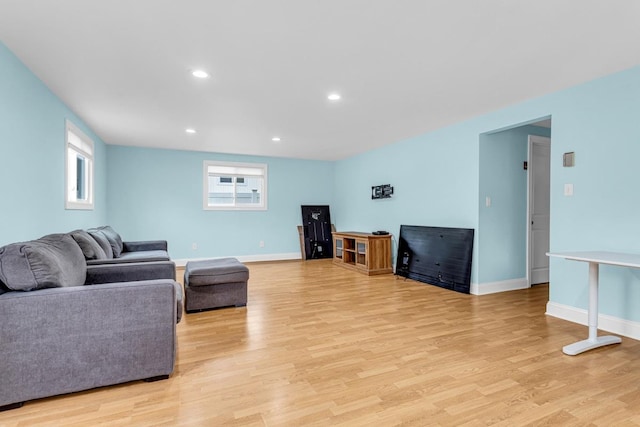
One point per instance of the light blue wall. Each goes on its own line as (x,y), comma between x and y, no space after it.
(32,154)
(502,227)
(434,178)
(437,182)
(158,194)
(600,122)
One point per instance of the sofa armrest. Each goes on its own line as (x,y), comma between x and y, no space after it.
(62,340)
(130,272)
(145,245)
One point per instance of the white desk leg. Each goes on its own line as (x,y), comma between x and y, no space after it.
(594,341)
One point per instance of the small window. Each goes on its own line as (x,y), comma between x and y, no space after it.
(78,169)
(229,180)
(235,186)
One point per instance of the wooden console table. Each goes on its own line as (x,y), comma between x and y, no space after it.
(364,252)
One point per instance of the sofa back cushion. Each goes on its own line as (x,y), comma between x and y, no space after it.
(90,248)
(115,241)
(50,262)
(99,237)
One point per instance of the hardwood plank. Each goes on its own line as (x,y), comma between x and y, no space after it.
(321,345)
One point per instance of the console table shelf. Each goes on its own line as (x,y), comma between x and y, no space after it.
(364,252)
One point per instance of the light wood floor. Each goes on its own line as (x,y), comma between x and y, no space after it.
(320,345)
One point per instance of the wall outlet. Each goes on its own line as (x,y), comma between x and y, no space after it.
(261,244)
(194,246)
(568,190)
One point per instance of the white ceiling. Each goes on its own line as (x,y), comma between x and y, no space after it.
(403,67)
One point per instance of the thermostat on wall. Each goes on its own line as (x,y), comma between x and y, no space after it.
(569,159)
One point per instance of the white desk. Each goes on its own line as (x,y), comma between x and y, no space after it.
(595,259)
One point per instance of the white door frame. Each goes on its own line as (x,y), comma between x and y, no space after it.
(529,195)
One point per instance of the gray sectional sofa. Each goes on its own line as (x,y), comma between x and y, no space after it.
(104,245)
(69,323)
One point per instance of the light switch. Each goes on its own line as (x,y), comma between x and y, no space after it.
(487,201)
(568,190)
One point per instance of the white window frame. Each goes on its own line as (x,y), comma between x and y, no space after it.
(259,170)
(77,143)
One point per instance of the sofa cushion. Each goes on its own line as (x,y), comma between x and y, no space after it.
(49,262)
(115,241)
(128,257)
(90,248)
(102,240)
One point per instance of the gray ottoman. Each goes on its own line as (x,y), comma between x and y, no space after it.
(215,283)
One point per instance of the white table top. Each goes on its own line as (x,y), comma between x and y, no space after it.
(601,257)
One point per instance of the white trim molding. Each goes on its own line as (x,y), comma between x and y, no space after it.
(247,258)
(616,325)
(501,286)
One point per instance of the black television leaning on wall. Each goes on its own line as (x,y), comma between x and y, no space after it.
(439,256)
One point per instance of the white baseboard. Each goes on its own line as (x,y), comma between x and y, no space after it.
(616,325)
(246,258)
(502,286)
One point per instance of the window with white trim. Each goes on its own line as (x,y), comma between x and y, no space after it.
(235,186)
(78,168)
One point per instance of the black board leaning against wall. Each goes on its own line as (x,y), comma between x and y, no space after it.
(316,224)
(439,256)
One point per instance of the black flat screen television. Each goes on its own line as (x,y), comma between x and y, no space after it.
(439,256)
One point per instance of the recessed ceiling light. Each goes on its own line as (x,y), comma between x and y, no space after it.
(276,139)
(201,74)
(189,130)
(334,96)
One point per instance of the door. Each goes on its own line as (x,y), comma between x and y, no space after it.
(539,208)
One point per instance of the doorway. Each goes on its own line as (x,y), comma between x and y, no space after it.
(538,209)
